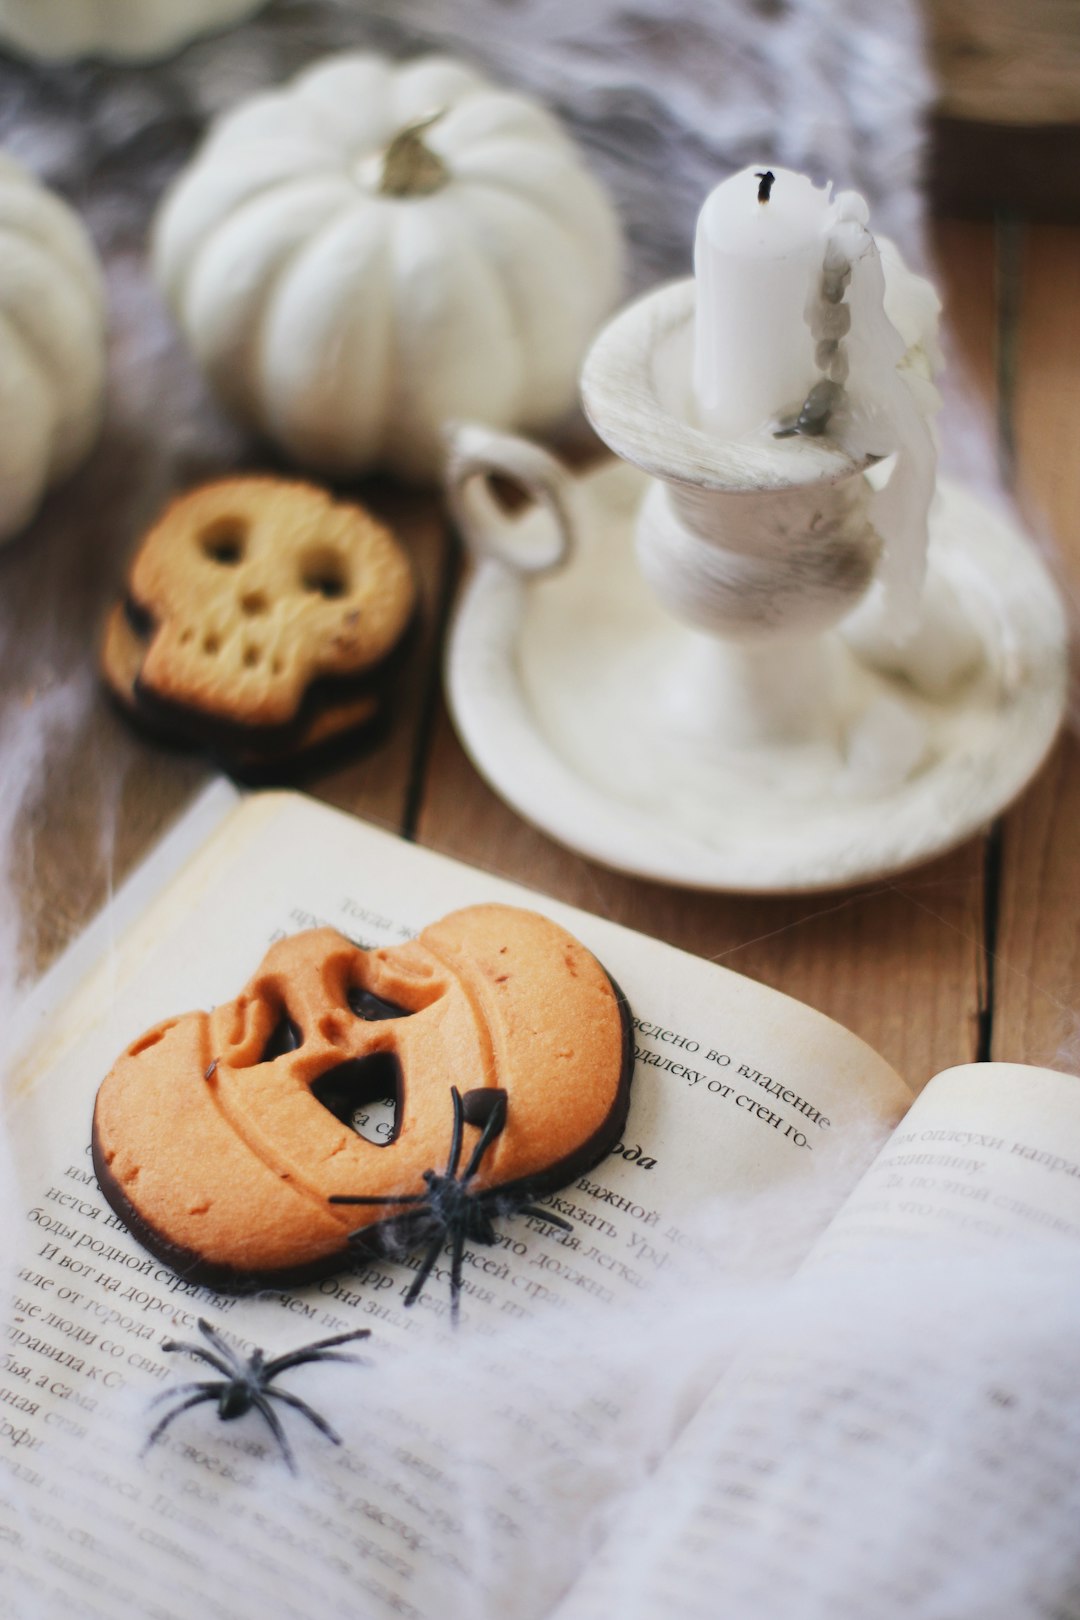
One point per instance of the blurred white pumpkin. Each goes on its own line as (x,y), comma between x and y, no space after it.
(52,344)
(133,30)
(374,249)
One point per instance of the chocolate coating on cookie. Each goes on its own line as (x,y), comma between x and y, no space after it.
(219,1138)
(335,713)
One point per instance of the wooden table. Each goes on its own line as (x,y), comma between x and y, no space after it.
(976,955)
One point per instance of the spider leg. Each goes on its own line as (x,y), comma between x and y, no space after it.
(223,1347)
(228,1369)
(425,1270)
(262,1405)
(299,1360)
(212,1386)
(539,1214)
(455,1139)
(455,1275)
(495,1123)
(315,1352)
(309,1412)
(159,1429)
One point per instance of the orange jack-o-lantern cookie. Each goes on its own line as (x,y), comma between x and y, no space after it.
(221,1138)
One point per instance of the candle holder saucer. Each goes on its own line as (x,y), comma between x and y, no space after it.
(726,711)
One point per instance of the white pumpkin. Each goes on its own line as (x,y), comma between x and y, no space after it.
(52,344)
(131,30)
(375,249)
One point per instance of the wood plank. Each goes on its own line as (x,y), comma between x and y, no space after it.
(1037,973)
(85,805)
(977,169)
(378,784)
(963,252)
(103,798)
(101,795)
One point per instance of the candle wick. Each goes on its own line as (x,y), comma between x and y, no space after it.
(767,178)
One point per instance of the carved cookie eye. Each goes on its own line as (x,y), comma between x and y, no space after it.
(224,541)
(366,1004)
(286,1036)
(140,621)
(323,571)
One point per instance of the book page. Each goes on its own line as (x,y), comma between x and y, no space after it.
(737,1091)
(988,1151)
(899,1435)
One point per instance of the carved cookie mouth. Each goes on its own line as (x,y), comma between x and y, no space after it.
(219,1139)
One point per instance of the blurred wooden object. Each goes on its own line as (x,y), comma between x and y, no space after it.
(1006,131)
(1000,62)
(1037,974)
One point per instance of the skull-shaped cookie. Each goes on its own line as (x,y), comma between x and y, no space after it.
(221,1138)
(252,589)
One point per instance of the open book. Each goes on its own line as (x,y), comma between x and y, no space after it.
(599,1382)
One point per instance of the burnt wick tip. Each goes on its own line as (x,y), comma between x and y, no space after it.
(768,180)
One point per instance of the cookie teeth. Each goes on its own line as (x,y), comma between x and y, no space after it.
(250,599)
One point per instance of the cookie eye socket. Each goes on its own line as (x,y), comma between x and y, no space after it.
(372,1008)
(146,1042)
(285,1036)
(224,541)
(323,571)
(139,620)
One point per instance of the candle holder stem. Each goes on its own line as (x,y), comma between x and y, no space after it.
(757,572)
(741,697)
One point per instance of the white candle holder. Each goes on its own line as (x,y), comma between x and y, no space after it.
(728,711)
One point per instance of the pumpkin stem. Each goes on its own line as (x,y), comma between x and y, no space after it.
(409,168)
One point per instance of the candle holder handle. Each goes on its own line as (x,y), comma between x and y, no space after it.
(477,458)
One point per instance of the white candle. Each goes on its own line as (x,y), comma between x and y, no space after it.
(758,265)
(792,311)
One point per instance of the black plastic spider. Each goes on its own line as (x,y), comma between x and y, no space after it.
(247,1384)
(450,1211)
